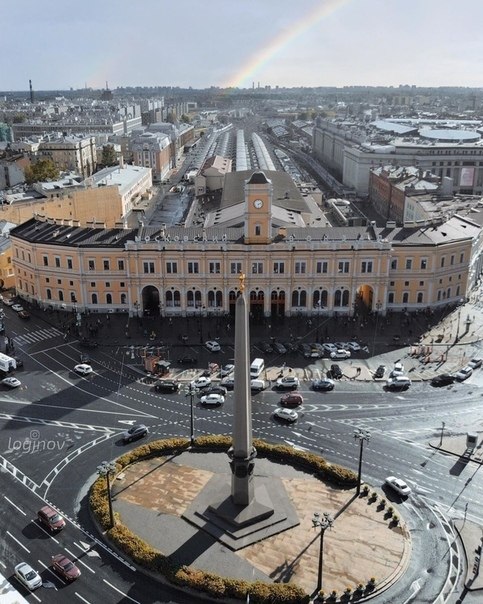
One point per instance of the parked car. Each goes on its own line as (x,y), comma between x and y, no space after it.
(257,385)
(461,375)
(317,350)
(328,347)
(202,382)
(341,345)
(135,432)
(11,382)
(279,347)
(27,576)
(51,518)
(340,353)
(323,385)
(19,362)
(398,382)
(227,369)
(213,346)
(398,369)
(398,485)
(305,350)
(445,379)
(475,363)
(83,369)
(217,389)
(287,415)
(292,399)
(187,360)
(265,346)
(380,371)
(9,301)
(23,314)
(65,567)
(335,372)
(166,386)
(228,382)
(353,346)
(290,382)
(17,307)
(212,399)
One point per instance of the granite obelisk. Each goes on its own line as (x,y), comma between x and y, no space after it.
(242,453)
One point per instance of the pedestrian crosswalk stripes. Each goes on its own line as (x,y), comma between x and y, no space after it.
(32,337)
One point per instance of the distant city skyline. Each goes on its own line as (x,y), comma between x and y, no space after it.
(241,43)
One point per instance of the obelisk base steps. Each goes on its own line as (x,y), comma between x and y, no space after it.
(237,526)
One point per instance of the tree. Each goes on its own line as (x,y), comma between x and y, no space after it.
(109,157)
(42,170)
(185,118)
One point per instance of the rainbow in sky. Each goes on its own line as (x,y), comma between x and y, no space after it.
(262,56)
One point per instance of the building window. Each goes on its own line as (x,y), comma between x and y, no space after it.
(257,268)
(49,294)
(366,266)
(172,267)
(279,268)
(451,260)
(72,297)
(106,265)
(235,268)
(421,284)
(462,257)
(148,267)
(57,262)
(122,284)
(69,263)
(46,260)
(300,267)
(108,284)
(419,298)
(322,266)
(394,264)
(193,267)
(120,265)
(443,261)
(94,298)
(405,298)
(215,268)
(409,264)
(343,266)
(123,299)
(61,295)
(108,298)
(406,283)
(424,264)
(390,298)
(92,265)
(299,298)
(258,230)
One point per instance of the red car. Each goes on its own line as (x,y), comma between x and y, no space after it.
(51,518)
(65,567)
(292,399)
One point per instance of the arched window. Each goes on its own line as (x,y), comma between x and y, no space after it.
(405,298)
(420,298)
(123,298)
(219,299)
(345,297)
(190,298)
(94,298)
(390,298)
(169,301)
(448,293)
(108,298)
(338,298)
(299,298)
(177,298)
(457,291)
(49,294)
(61,295)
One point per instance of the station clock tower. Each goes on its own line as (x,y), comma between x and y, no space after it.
(258,209)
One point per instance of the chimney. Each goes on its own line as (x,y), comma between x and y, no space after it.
(31,92)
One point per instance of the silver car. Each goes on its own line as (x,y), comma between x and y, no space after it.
(27,576)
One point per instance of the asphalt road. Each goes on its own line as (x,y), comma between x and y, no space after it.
(57,427)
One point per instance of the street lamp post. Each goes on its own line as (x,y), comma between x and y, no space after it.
(442,433)
(105,469)
(191,391)
(458,325)
(360,435)
(325,522)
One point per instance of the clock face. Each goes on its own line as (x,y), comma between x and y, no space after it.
(258,203)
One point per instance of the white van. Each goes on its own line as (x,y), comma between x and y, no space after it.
(398,382)
(256,368)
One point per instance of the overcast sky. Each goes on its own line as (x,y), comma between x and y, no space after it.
(62,44)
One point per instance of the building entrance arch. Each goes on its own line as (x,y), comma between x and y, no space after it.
(150,301)
(364,301)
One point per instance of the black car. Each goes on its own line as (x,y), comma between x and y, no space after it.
(323,385)
(380,371)
(266,347)
(166,386)
(445,379)
(215,390)
(279,347)
(187,360)
(19,362)
(84,357)
(335,372)
(306,350)
(137,431)
(86,343)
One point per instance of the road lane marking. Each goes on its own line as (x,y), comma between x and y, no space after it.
(120,592)
(80,561)
(21,544)
(81,598)
(15,506)
(52,573)
(47,533)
